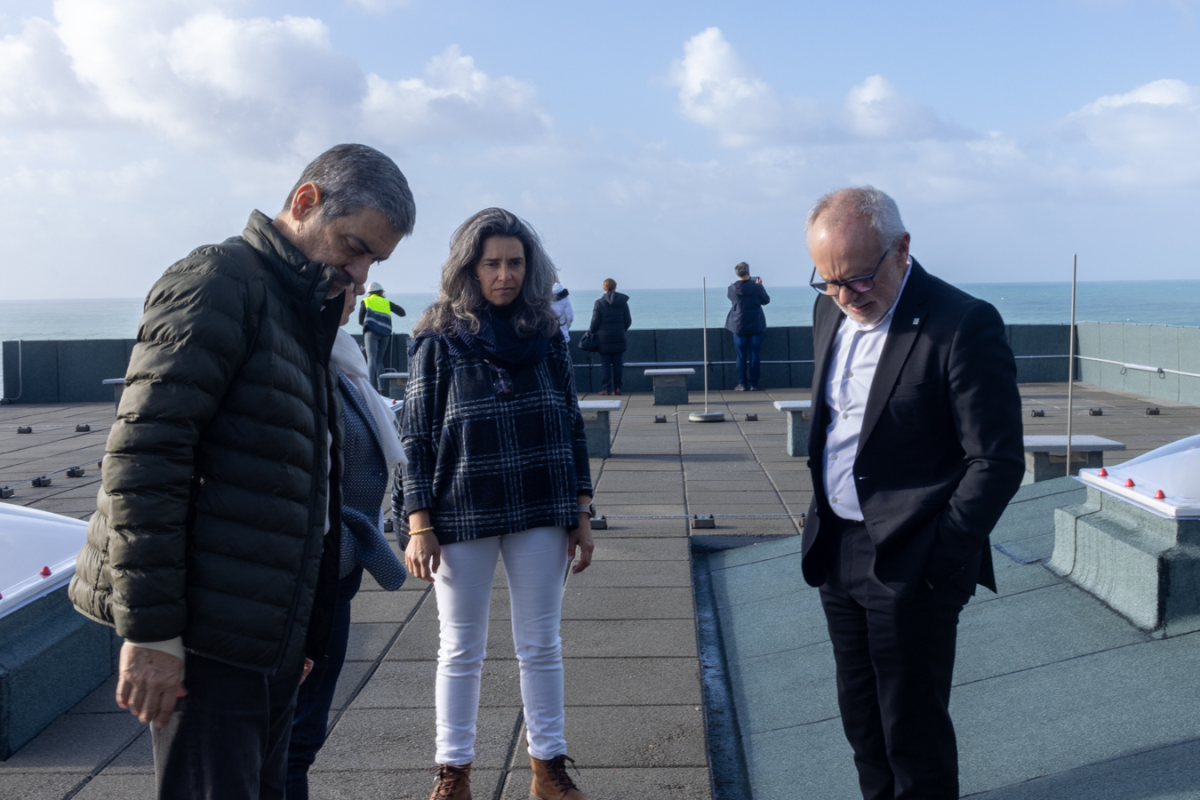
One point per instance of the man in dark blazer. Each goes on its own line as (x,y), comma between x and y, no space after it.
(916,449)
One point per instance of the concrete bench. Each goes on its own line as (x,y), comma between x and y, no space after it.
(394,384)
(118,385)
(670,385)
(798,416)
(596,425)
(1046,456)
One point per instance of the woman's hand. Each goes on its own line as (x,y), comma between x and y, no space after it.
(423,555)
(581,537)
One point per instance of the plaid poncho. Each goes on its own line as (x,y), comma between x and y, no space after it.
(485,465)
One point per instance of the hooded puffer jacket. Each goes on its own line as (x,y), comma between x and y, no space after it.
(212,513)
(610,320)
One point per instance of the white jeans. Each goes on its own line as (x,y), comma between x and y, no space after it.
(535,562)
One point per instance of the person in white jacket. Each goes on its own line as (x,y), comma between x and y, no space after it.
(562,307)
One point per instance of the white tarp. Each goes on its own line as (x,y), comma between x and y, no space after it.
(29,541)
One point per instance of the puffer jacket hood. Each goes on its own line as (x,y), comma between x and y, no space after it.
(225,457)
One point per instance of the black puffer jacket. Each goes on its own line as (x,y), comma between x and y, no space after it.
(211,516)
(610,320)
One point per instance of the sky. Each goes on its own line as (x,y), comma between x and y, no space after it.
(653,143)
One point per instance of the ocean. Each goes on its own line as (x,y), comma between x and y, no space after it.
(1140,302)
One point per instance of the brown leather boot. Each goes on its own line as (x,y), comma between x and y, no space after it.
(551,781)
(454,783)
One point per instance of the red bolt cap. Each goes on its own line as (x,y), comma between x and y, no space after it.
(1129,482)
(45,573)
(1159,495)
(1103,473)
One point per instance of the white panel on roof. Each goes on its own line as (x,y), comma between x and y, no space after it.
(1172,470)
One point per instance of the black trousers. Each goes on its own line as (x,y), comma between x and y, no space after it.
(895,662)
(228,738)
(310,723)
(611,365)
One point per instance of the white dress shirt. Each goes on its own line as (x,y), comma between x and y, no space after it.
(848,377)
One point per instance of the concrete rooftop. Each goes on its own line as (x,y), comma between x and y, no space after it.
(1056,696)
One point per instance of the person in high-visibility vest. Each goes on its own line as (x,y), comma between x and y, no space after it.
(375,315)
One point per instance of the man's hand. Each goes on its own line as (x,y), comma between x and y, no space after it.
(148,684)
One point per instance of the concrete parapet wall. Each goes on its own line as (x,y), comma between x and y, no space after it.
(72,371)
(1169,347)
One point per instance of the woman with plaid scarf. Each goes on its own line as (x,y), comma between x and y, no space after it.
(498,467)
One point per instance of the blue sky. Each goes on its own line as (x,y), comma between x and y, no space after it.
(649,142)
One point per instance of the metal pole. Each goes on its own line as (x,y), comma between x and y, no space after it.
(1071,360)
(704,306)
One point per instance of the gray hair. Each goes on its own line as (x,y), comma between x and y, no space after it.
(742,269)
(460,297)
(354,176)
(865,202)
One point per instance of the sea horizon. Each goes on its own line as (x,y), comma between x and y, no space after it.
(1019,303)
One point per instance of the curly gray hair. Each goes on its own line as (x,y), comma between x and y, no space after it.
(460,297)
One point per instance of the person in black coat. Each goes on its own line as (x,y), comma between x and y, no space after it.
(747,323)
(916,448)
(610,320)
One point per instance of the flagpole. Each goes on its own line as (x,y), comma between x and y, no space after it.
(1071,360)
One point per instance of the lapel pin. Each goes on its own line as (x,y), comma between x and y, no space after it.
(916,320)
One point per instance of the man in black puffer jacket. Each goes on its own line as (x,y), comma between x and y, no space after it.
(221,478)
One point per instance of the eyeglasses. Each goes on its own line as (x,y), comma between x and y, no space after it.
(502,383)
(864,284)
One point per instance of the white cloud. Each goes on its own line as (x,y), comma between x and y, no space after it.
(1145,138)
(454,100)
(202,78)
(719,90)
(198,78)
(38,87)
(875,110)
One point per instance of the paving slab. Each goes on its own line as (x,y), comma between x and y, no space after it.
(403,738)
(619,682)
(36,786)
(75,743)
(637,736)
(645,574)
(369,639)
(627,603)
(410,684)
(118,786)
(136,758)
(665,783)
(383,606)
(394,784)
(641,549)
(636,638)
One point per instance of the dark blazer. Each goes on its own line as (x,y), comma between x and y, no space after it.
(746,316)
(942,449)
(610,320)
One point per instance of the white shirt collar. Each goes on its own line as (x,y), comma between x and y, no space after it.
(888,316)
